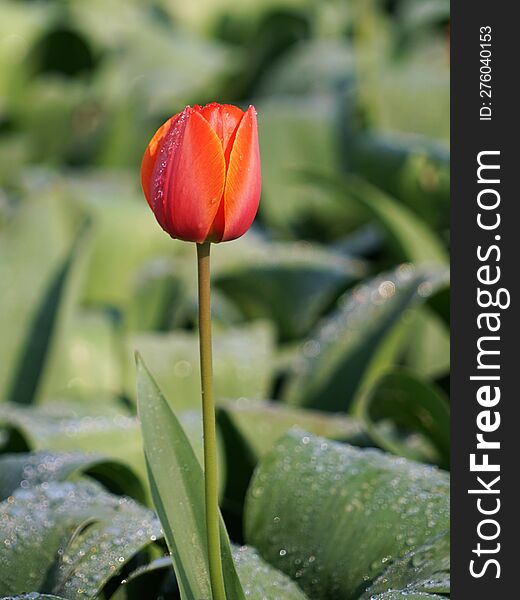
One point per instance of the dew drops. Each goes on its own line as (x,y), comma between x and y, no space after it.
(93,532)
(260,580)
(368,309)
(324,505)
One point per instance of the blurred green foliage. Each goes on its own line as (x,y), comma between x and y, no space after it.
(331,314)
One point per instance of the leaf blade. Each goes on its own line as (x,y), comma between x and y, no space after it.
(361,340)
(179,494)
(388,506)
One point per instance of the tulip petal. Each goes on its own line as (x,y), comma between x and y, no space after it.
(150,159)
(243,179)
(195,179)
(224,119)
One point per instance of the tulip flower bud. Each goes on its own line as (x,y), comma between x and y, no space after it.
(201,173)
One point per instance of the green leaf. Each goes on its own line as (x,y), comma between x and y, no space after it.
(381,507)
(56,316)
(153,580)
(260,423)
(406,595)
(242,363)
(310,67)
(413,405)
(78,538)
(158,300)
(414,238)
(424,570)
(28,470)
(427,14)
(291,284)
(361,340)
(412,95)
(260,580)
(299,134)
(34,596)
(250,429)
(413,169)
(91,365)
(27,23)
(411,238)
(178,493)
(42,272)
(72,427)
(428,351)
(104,429)
(117,257)
(92,557)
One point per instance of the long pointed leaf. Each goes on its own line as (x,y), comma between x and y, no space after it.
(409,235)
(362,339)
(177,484)
(29,379)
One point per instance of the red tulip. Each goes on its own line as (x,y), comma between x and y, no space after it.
(201,173)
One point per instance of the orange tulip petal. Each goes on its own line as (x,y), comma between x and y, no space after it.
(224,119)
(150,158)
(159,187)
(243,179)
(195,178)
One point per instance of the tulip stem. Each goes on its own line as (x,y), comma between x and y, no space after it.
(208,424)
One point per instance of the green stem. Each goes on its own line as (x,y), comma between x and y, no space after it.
(209,427)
